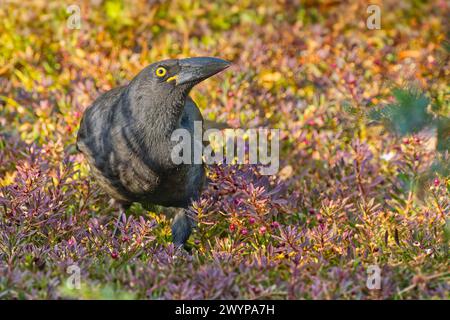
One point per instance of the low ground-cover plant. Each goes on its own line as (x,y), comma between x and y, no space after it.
(352,192)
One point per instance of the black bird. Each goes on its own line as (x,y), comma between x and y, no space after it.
(125,136)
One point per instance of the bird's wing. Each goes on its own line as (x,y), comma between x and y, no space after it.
(94,140)
(95,119)
(191,111)
(194,114)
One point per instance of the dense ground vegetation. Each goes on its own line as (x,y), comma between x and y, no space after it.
(364,176)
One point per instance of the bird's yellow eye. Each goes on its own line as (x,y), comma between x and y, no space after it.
(161,72)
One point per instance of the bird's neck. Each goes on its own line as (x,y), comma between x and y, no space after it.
(157,121)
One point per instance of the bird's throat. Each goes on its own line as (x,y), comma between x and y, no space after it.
(158,119)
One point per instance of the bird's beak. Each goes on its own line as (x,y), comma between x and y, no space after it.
(198,69)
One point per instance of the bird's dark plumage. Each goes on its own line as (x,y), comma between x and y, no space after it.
(125,136)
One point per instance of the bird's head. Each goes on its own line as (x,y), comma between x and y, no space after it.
(177,76)
(157,95)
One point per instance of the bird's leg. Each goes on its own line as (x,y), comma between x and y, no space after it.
(181,228)
(122,211)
